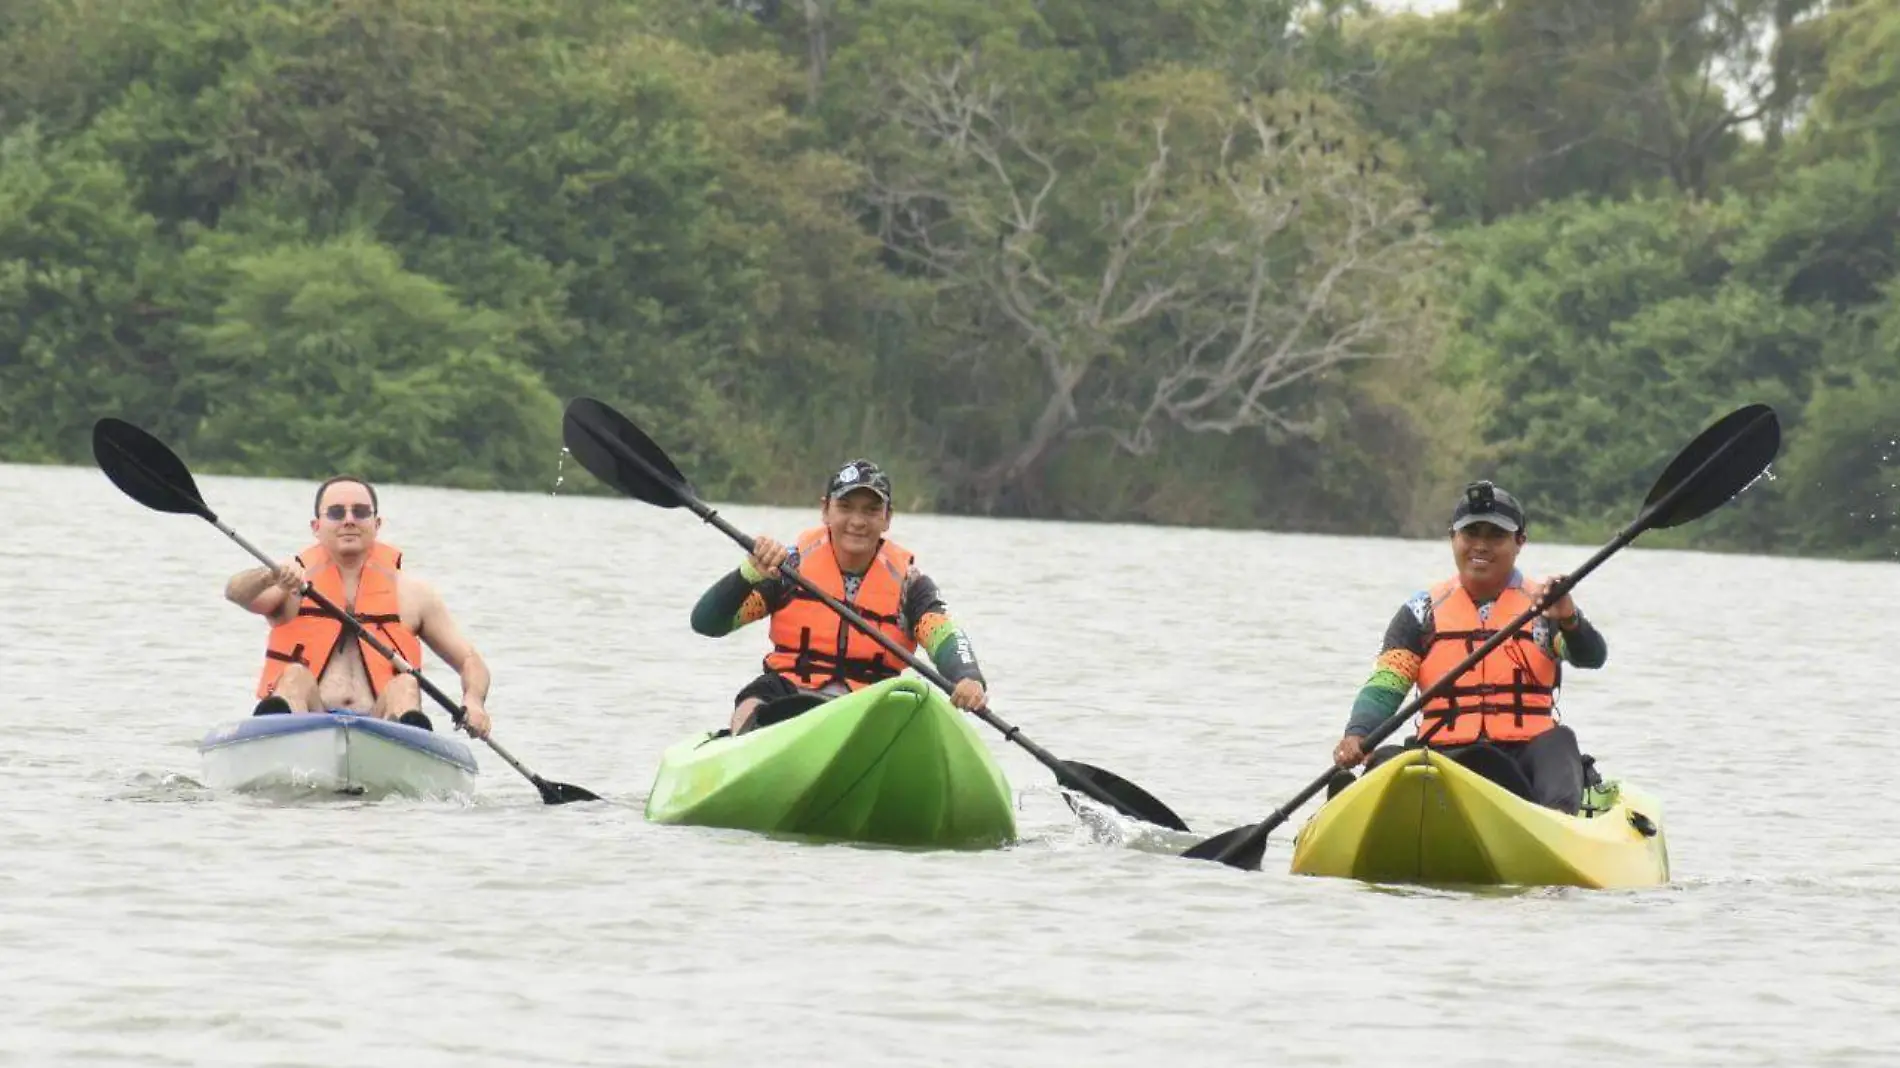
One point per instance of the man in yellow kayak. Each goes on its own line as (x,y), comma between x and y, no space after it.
(312,663)
(1508,700)
(813,649)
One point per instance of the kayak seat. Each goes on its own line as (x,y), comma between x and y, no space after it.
(1493,764)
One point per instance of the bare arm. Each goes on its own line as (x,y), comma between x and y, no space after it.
(436,627)
(265,591)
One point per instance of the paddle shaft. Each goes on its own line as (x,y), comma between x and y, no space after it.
(394,657)
(1553,593)
(922,667)
(616,451)
(679,492)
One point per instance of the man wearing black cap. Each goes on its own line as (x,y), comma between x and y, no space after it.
(1508,700)
(848,556)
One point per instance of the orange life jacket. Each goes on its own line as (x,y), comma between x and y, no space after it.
(1509,696)
(812,646)
(312,636)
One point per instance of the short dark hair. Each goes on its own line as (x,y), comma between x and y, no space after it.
(316,506)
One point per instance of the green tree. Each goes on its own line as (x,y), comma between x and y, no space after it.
(80,334)
(1841,473)
(1614,332)
(330,357)
(1505,104)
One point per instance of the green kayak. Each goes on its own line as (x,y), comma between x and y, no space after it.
(894,763)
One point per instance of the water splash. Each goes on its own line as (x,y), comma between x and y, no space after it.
(560,473)
(149,787)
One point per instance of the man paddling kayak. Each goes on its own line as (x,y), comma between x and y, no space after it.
(1508,700)
(308,667)
(813,649)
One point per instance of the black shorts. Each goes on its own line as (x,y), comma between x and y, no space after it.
(767,687)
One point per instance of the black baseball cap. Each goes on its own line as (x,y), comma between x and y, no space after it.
(857,475)
(1484,503)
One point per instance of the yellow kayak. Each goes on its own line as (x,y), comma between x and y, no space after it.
(1422,817)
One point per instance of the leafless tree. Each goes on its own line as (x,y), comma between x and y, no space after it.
(1251,248)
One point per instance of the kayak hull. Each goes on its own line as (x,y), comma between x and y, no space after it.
(335,752)
(892,764)
(1422,817)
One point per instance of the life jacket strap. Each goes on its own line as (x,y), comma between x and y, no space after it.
(295,656)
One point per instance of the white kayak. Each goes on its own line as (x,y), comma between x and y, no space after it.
(336,752)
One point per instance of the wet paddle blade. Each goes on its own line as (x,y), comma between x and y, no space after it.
(611,448)
(1243,847)
(1721,462)
(1251,853)
(1130,800)
(560,793)
(146,470)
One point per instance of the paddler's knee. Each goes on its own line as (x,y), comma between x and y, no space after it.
(1556,770)
(400,696)
(745,703)
(742,714)
(1383,754)
(296,689)
(1591,777)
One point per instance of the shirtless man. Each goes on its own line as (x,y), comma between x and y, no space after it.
(313,662)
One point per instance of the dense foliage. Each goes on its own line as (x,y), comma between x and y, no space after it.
(1269,262)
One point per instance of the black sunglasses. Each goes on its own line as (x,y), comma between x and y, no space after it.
(336,512)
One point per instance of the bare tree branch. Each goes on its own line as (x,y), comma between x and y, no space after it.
(1243,257)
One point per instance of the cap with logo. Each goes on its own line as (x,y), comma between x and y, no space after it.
(857,475)
(1485,503)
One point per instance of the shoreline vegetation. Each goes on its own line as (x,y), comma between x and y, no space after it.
(1304,267)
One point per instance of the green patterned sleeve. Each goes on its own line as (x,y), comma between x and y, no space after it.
(1395,671)
(936,633)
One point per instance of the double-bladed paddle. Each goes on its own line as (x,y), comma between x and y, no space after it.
(617,452)
(151,474)
(1721,462)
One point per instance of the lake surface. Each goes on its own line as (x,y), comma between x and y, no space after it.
(145,920)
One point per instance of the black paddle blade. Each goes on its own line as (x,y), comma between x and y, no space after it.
(1249,857)
(560,793)
(611,448)
(146,470)
(1721,462)
(1130,800)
